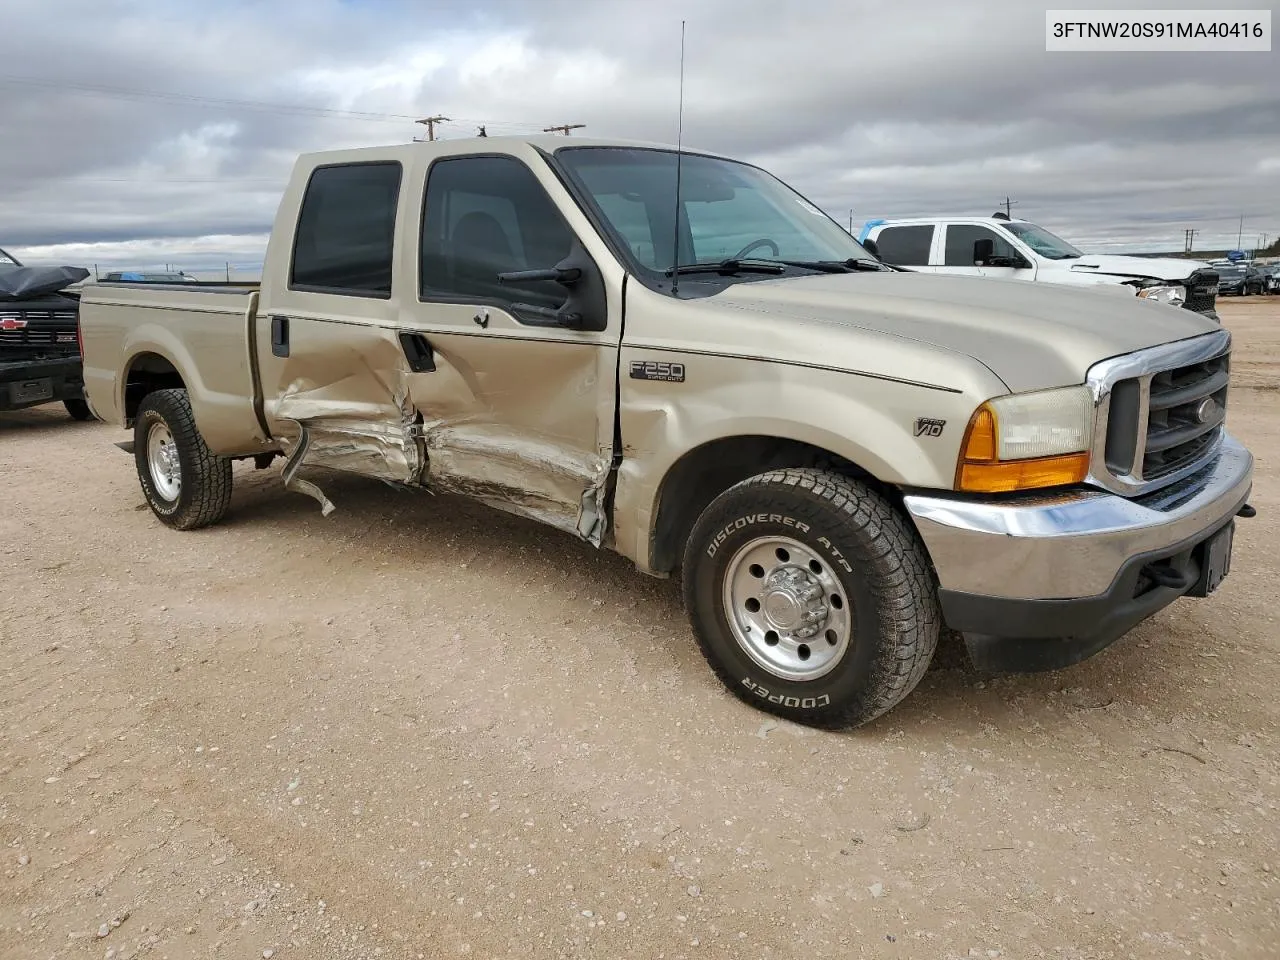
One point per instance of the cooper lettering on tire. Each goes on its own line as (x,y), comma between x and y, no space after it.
(186,485)
(811,597)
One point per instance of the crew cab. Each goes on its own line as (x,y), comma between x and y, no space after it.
(1008,248)
(675,356)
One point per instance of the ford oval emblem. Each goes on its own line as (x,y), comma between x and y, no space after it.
(1207,410)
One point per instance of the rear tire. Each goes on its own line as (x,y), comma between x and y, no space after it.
(811,597)
(78,409)
(186,485)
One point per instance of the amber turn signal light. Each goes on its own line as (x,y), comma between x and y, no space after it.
(981,471)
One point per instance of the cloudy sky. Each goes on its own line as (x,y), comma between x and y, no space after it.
(139,132)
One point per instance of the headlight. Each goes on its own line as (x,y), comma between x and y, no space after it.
(1026,441)
(1175,296)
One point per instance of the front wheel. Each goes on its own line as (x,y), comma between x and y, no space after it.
(811,597)
(77,409)
(186,485)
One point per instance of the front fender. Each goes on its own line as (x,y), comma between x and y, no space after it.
(902,433)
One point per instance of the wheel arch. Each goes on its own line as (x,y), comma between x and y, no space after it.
(147,371)
(708,470)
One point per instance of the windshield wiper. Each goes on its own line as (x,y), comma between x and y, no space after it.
(728,268)
(731,267)
(852,265)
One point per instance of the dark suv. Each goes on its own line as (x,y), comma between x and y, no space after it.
(1240,279)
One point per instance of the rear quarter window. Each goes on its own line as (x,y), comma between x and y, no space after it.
(905,246)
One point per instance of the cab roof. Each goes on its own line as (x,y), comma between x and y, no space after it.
(542,141)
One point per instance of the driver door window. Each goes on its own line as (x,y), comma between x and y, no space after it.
(485,216)
(958,251)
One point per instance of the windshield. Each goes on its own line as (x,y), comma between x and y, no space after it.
(728,210)
(1042,241)
(1229,270)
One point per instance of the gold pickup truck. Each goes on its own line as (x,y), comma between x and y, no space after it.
(841,458)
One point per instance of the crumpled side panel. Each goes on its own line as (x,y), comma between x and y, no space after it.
(511,436)
(528,476)
(362,420)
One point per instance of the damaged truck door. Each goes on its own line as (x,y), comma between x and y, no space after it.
(519,411)
(479,359)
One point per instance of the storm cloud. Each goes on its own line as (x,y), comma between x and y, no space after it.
(140,132)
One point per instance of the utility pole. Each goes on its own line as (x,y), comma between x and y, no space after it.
(431,126)
(1240,234)
(1189,239)
(563,128)
(851,223)
(1008,206)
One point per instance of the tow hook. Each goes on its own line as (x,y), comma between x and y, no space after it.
(1166,576)
(1247,511)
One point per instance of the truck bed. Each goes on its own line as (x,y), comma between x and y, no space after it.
(135,331)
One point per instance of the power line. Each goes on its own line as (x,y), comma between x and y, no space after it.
(125,93)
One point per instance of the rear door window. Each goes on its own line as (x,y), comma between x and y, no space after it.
(906,246)
(346,230)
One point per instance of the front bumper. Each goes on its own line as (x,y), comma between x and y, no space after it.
(66,376)
(1041,581)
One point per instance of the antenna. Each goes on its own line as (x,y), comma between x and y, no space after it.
(675,249)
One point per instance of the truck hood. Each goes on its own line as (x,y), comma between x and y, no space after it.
(1143,267)
(1032,336)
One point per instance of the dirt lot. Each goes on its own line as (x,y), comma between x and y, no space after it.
(421,729)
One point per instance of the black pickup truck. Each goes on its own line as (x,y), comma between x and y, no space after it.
(40,338)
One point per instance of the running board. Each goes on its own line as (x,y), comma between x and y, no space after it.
(126,446)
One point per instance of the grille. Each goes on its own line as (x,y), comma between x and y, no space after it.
(1186,408)
(1161,412)
(1202,291)
(39,328)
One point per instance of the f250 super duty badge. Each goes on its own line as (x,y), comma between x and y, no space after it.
(925,427)
(657,370)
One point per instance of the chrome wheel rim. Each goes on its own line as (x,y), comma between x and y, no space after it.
(162,461)
(786,608)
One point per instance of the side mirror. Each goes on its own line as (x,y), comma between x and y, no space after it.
(870,246)
(984,255)
(585,308)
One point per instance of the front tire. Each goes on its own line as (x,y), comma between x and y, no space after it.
(186,485)
(77,409)
(811,597)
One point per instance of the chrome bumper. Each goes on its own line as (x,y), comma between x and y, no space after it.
(1074,544)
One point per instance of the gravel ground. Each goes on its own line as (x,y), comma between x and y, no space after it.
(421,729)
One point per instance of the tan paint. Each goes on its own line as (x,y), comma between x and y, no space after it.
(521,416)
(201,333)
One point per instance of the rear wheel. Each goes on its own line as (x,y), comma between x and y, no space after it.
(186,485)
(811,597)
(78,409)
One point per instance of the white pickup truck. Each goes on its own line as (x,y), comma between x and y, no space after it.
(839,457)
(1012,249)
